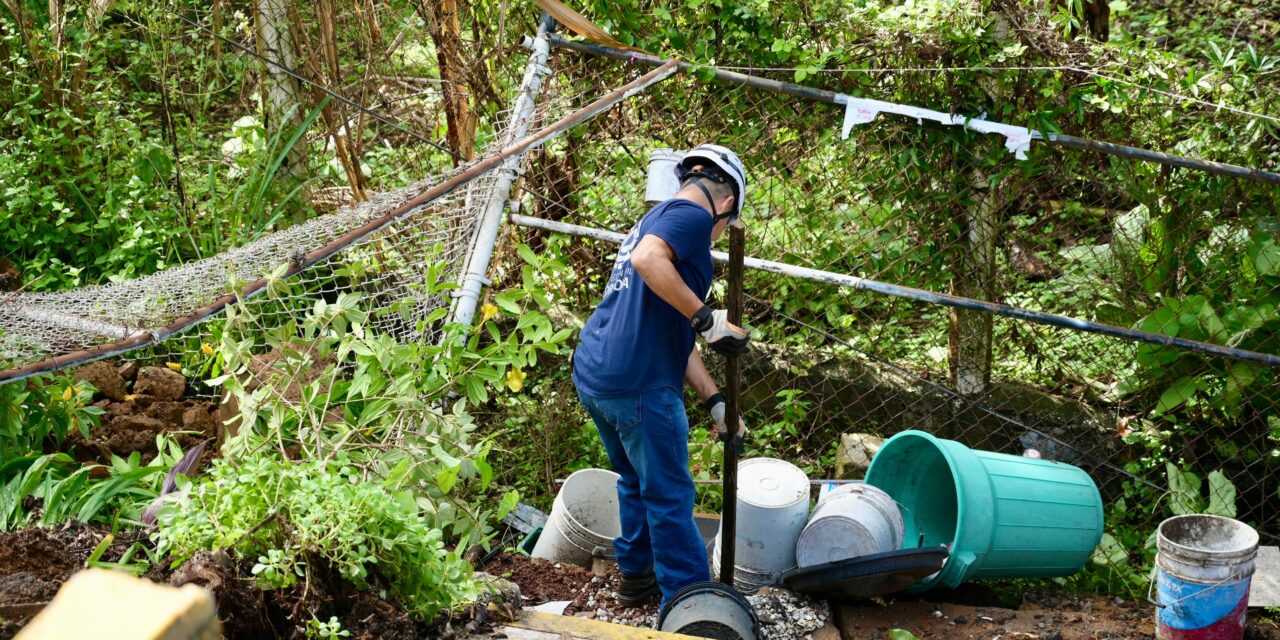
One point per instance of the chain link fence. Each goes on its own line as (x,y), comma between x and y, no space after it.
(1172,251)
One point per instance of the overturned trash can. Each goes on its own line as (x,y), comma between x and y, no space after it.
(1001,516)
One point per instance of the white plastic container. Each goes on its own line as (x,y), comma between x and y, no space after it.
(661,183)
(773,505)
(584,519)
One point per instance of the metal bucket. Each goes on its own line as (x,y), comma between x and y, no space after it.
(1204,566)
(661,183)
(852,521)
(584,519)
(773,505)
(709,610)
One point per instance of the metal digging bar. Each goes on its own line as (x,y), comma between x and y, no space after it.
(355,235)
(733,411)
(920,295)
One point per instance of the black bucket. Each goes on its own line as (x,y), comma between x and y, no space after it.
(709,610)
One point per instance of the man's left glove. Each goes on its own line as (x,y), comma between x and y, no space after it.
(715,405)
(719,333)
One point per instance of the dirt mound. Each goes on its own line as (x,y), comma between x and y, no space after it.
(592,595)
(35,562)
(140,403)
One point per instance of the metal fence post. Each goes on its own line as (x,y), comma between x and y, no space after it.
(474,276)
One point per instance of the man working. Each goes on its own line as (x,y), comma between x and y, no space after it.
(635,354)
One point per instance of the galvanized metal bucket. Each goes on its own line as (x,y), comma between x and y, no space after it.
(709,610)
(853,521)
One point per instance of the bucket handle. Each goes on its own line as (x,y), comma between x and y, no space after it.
(1152,583)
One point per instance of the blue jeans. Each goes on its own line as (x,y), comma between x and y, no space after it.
(647,439)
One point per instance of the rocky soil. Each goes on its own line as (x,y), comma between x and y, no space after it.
(139,404)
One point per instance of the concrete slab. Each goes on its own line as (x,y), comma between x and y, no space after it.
(112,605)
(1264,591)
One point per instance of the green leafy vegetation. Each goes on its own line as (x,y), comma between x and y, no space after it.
(133,141)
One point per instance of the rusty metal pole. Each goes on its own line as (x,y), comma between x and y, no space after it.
(733,411)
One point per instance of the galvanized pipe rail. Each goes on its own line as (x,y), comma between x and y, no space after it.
(831,97)
(921,295)
(476,270)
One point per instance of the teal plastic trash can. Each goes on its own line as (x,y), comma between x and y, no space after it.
(1002,516)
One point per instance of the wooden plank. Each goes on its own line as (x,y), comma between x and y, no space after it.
(583,629)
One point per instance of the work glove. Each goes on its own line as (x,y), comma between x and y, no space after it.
(719,333)
(715,405)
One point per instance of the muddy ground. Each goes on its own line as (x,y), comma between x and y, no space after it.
(34,563)
(969,613)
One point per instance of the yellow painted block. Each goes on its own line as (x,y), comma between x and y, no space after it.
(559,626)
(112,605)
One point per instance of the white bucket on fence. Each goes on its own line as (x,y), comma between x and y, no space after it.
(854,520)
(773,505)
(1204,566)
(661,183)
(584,519)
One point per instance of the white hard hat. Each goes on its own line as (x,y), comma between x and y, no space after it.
(724,160)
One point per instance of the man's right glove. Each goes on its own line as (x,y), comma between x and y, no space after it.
(715,405)
(719,333)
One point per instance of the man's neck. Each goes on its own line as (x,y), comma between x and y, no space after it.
(694,194)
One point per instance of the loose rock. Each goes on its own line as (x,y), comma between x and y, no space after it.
(160,383)
(104,377)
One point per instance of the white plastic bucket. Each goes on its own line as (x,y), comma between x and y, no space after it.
(773,505)
(661,183)
(584,519)
(855,520)
(744,580)
(1204,567)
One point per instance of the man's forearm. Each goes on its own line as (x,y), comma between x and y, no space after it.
(697,377)
(663,279)
(654,260)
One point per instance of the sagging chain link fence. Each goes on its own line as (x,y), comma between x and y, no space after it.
(1172,251)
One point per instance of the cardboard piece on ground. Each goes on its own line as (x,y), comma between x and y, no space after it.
(113,605)
(1264,590)
(555,607)
(544,626)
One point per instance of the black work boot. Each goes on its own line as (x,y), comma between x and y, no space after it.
(637,590)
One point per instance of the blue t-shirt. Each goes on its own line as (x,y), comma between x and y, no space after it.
(634,341)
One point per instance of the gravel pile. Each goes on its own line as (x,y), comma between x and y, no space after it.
(785,615)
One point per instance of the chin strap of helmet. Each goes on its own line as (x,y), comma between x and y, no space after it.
(697,182)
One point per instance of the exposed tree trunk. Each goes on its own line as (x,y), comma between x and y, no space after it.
(216,12)
(92,22)
(974,272)
(1095,15)
(442,18)
(335,117)
(284,94)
